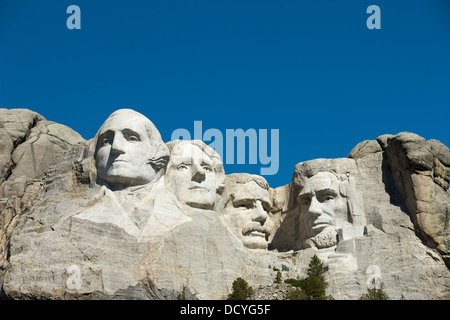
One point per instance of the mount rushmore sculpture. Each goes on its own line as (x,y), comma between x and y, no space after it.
(126,216)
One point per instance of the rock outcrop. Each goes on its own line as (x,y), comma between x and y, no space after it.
(29,144)
(78,221)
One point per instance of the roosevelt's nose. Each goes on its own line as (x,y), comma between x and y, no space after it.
(198,172)
(259,214)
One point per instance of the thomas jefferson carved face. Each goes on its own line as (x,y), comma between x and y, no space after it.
(191,176)
(126,144)
(247,213)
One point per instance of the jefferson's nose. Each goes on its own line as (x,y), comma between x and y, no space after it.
(198,172)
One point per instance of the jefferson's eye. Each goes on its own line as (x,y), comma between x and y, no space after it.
(206,167)
(182,167)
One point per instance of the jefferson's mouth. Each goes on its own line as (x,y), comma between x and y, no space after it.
(198,188)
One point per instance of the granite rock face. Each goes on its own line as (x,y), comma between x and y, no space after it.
(29,144)
(86,224)
(421,171)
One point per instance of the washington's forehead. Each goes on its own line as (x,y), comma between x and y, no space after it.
(189,153)
(118,123)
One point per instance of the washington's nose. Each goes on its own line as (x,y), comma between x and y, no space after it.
(118,144)
(259,214)
(198,172)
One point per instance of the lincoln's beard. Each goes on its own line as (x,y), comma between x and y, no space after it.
(327,238)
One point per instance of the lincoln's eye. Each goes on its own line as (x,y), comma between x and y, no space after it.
(133,138)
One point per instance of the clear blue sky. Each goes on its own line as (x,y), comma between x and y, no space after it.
(311,69)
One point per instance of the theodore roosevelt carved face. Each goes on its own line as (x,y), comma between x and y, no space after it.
(247,211)
(194,173)
(129,150)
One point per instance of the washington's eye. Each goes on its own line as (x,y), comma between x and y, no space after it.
(130,135)
(328,197)
(104,140)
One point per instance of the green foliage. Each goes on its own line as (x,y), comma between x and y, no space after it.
(294,282)
(241,290)
(278,278)
(313,287)
(374,293)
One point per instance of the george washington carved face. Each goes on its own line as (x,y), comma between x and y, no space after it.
(129,148)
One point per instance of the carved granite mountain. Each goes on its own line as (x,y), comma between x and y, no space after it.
(126,216)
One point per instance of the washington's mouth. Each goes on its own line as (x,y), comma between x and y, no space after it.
(119,161)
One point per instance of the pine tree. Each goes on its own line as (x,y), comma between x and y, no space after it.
(241,290)
(313,286)
(374,293)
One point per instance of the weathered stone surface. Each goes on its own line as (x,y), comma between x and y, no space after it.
(422,173)
(29,144)
(167,222)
